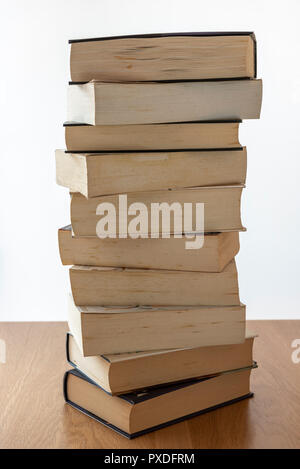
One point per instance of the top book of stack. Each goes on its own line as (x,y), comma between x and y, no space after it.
(164,57)
(155,79)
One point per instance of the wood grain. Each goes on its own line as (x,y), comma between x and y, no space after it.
(33,413)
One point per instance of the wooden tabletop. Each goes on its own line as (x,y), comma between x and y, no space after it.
(33,413)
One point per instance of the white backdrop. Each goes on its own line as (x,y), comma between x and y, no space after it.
(34,72)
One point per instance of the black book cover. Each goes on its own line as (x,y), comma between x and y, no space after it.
(188,34)
(156,151)
(141,396)
(224,121)
(168,81)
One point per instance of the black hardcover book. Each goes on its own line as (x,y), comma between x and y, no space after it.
(188,399)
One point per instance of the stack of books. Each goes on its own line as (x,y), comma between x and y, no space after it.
(155,172)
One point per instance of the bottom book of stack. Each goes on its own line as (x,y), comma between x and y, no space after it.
(136,393)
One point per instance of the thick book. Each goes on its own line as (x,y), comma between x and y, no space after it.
(125,372)
(163,212)
(137,413)
(152,253)
(145,137)
(114,286)
(109,173)
(175,56)
(99,103)
(99,329)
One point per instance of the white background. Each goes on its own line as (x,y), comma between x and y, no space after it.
(34,71)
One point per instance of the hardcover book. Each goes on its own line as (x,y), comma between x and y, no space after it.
(137,413)
(152,57)
(124,372)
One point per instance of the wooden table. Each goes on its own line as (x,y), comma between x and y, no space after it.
(33,413)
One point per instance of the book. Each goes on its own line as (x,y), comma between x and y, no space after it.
(95,328)
(114,286)
(99,103)
(136,413)
(221,211)
(152,57)
(144,137)
(169,254)
(124,372)
(109,173)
